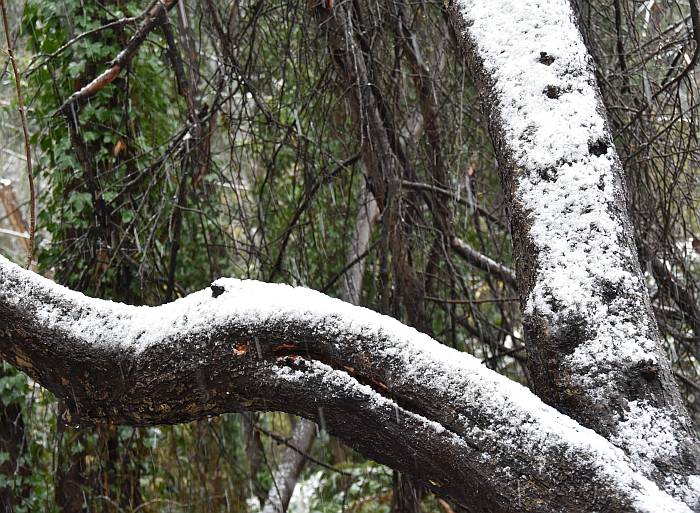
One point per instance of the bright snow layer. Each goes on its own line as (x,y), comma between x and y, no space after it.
(549,112)
(515,420)
(566,189)
(644,432)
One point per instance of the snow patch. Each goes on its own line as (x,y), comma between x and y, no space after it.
(646,433)
(549,110)
(568,183)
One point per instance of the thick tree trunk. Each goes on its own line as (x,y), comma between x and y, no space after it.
(392,393)
(593,345)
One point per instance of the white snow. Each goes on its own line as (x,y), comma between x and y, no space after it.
(566,189)
(645,433)
(305,494)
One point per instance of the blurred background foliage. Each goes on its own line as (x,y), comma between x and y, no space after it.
(272,155)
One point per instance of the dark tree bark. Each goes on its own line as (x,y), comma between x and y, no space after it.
(13,444)
(287,474)
(392,393)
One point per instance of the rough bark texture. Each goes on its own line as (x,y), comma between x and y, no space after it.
(392,393)
(289,470)
(600,360)
(13,444)
(385,389)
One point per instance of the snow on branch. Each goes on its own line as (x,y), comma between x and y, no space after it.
(388,390)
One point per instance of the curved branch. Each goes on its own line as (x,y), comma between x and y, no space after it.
(392,393)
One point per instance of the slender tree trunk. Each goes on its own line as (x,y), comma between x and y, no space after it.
(69,480)
(287,473)
(13,444)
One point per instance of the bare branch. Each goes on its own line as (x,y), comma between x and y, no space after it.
(153,19)
(25,133)
(483,262)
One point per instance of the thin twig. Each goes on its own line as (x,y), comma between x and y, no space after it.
(25,131)
(456,197)
(695,19)
(471,301)
(114,24)
(346,268)
(284,441)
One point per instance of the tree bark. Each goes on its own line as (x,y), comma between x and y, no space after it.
(289,470)
(593,346)
(392,393)
(287,473)
(13,443)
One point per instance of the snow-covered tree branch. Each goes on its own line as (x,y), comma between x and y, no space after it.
(394,394)
(593,345)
